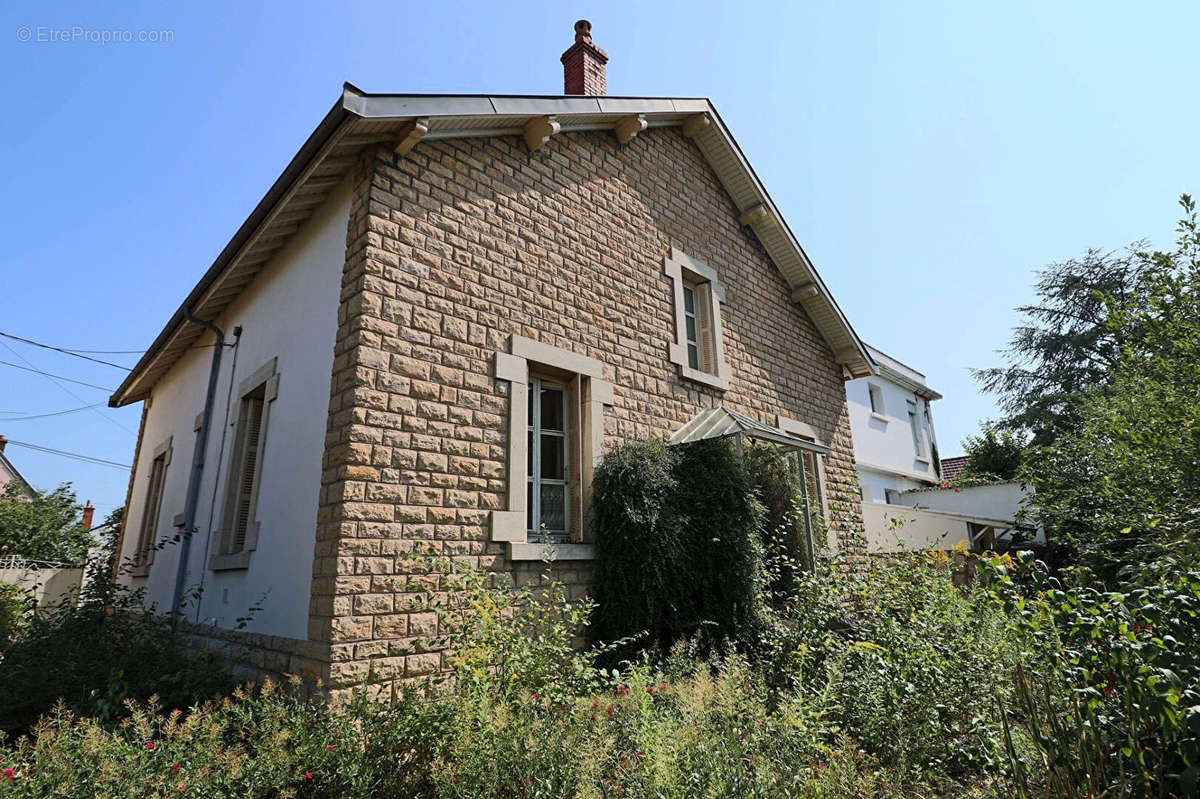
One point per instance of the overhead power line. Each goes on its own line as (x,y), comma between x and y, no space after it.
(72,353)
(54,377)
(72,455)
(30,417)
(66,390)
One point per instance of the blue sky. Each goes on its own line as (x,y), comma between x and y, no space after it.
(929,156)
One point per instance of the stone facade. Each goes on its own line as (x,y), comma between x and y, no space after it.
(454,248)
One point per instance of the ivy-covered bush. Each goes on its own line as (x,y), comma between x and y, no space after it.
(678,546)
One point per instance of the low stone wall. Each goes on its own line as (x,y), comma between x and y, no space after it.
(252,656)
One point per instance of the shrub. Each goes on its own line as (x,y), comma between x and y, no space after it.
(15,610)
(1116,710)
(678,546)
(95,656)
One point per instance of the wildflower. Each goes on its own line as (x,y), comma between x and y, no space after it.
(150,745)
(595,704)
(610,710)
(329,747)
(308,775)
(176,712)
(175,767)
(537,696)
(662,688)
(10,773)
(639,753)
(650,689)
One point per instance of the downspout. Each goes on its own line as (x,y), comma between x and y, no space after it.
(193,492)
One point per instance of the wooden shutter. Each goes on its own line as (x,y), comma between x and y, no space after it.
(704,328)
(248,474)
(150,511)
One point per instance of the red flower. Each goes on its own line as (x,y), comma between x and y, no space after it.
(329,747)
(595,704)
(640,753)
(308,775)
(150,745)
(10,773)
(175,767)
(610,710)
(537,696)
(176,712)
(662,688)
(649,689)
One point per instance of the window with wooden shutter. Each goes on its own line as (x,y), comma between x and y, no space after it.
(698,348)
(237,536)
(149,524)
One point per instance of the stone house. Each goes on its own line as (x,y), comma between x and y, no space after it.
(428,331)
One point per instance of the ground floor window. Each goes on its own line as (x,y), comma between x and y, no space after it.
(549,469)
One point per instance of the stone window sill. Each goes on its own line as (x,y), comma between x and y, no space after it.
(688,373)
(237,560)
(519,550)
(879,417)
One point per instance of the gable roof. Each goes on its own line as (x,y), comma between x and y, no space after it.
(359,119)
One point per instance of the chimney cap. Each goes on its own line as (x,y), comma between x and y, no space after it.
(583,30)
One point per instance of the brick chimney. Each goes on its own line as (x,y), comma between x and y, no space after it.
(88,513)
(3,444)
(583,64)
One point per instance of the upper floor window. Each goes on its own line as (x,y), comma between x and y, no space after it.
(698,348)
(876,394)
(549,473)
(914,423)
(238,534)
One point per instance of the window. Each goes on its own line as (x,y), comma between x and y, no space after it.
(147,530)
(238,534)
(876,394)
(698,349)
(548,475)
(555,436)
(918,442)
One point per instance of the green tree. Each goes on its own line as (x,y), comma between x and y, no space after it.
(1066,346)
(1124,486)
(42,525)
(995,453)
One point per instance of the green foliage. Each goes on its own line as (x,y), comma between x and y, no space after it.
(678,545)
(43,525)
(15,610)
(1116,712)
(95,656)
(1066,347)
(552,726)
(1122,486)
(994,454)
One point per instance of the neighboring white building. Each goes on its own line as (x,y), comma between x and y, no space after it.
(892,421)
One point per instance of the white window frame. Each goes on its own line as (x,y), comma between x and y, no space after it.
(685,271)
(147,540)
(224,555)
(914,422)
(535,479)
(875,400)
(588,393)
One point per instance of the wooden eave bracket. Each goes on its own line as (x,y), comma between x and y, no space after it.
(755,215)
(695,124)
(413,132)
(629,127)
(539,130)
(805,291)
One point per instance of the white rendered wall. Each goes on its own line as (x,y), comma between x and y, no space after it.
(289,312)
(999,501)
(883,445)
